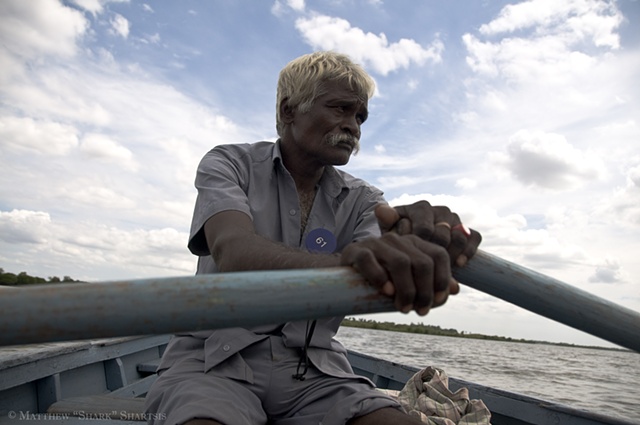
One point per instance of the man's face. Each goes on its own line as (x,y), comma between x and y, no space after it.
(330,131)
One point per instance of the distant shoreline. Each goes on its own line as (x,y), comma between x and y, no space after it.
(419,328)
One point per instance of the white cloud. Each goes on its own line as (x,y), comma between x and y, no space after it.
(626,129)
(366,161)
(633,177)
(555,47)
(559,217)
(89,113)
(573,20)
(624,203)
(466,183)
(397,181)
(154,38)
(33,29)
(103,148)
(120,26)
(86,193)
(42,137)
(547,59)
(183,157)
(608,272)
(95,7)
(126,103)
(297,5)
(89,250)
(329,33)
(280,7)
(121,114)
(22,226)
(547,160)
(59,94)
(147,8)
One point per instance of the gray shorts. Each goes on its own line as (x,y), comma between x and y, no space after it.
(271,396)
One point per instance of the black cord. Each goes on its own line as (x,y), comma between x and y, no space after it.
(304,358)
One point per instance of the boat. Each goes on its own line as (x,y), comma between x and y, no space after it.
(71,353)
(105,381)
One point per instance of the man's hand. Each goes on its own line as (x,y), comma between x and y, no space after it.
(437,224)
(415,272)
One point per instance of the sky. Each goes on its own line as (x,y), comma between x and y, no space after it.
(523,117)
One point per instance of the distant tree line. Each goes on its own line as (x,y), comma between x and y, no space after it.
(419,328)
(22,278)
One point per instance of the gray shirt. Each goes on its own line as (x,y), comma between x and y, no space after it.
(252,179)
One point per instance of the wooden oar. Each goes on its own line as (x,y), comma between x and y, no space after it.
(44,313)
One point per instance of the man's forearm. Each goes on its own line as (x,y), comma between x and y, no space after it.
(253,252)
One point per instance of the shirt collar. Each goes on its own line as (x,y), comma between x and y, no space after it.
(276,154)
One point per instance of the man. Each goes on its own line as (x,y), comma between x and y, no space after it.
(283,205)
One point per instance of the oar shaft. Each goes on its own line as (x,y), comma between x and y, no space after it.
(552,298)
(155,306)
(166,305)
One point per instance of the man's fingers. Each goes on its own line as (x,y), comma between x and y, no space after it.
(441,233)
(445,221)
(416,273)
(430,275)
(454,287)
(470,249)
(404,227)
(459,243)
(387,217)
(441,297)
(364,260)
(422,218)
(398,262)
(388,289)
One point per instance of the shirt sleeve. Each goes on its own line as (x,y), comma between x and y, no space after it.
(221,180)
(367,223)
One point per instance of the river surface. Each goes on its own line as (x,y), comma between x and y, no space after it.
(601,381)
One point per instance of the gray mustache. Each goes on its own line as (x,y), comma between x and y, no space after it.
(334,139)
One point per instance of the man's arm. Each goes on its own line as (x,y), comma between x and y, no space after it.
(414,272)
(235,246)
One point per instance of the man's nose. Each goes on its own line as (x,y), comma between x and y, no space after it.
(351,125)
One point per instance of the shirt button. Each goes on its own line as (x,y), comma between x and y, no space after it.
(292,212)
(226,348)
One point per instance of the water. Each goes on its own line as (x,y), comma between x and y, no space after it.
(601,381)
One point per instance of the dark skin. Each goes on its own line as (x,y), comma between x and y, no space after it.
(410,262)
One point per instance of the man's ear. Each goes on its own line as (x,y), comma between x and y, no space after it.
(287,113)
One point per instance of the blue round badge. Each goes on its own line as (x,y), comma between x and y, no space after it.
(320,240)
